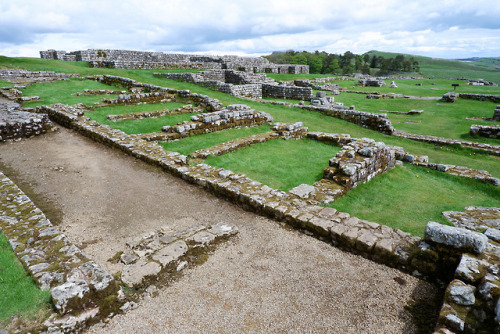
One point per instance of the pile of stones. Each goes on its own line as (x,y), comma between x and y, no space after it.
(450,97)
(371,82)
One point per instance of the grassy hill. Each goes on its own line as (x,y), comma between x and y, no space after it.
(484,68)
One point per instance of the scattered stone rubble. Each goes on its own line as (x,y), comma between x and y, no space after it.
(77,284)
(321,100)
(151,60)
(488,131)
(319,84)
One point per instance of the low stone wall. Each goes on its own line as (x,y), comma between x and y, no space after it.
(280,130)
(100,92)
(480,97)
(496,114)
(450,97)
(186,109)
(17,124)
(373,241)
(14,94)
(24,77)
(154,97)
(491,149)
(234,116)
(77,284)
(202,101)
(377,122)
(472,300)
(489,131)
(287,92)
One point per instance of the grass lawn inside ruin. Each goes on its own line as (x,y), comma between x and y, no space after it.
(408,197)
(19,295)
(190,144)
(145,125)
(279,163)
(64,91)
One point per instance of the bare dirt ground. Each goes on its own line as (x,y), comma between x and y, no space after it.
(268,279)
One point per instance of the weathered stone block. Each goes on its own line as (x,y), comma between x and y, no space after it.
(457,238)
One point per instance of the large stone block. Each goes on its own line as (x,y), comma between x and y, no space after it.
(458,238)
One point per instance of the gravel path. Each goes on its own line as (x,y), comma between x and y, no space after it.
(268,279)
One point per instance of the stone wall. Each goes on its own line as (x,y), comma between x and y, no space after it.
(236,115)
(286,92)
(23,77)
(358,162)
(77,284)
(489,131)
(150,60)
(17,124)
(496,114)
(202,101)
(371,83)
(491,149)
(377,122)
(481,97)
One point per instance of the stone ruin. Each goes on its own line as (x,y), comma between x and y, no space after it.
(496,114)
(372,82)
(152,60)
(241,84)
(393,85)
(488,131)
(24,77)
(234,115)
(321,100)
(16,123)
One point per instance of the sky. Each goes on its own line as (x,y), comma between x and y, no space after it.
(435,28)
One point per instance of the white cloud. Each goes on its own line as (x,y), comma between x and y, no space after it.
(448,28)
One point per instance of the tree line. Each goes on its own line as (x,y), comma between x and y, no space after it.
(330,63)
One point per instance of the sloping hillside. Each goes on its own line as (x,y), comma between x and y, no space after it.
(485,68)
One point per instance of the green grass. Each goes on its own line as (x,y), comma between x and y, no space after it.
(279,163)
(190,144)
(429,87)
(65,92)
(19,295)
(445,68)
(440,119)
(314,120)
(145,125)
(408,197)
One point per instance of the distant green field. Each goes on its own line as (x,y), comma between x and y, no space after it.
(444,68)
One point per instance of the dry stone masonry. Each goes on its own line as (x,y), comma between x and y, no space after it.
(431,258)
(185,109)
(151,60)
(488,131)
(23,77)
(77,284)
(235,115)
